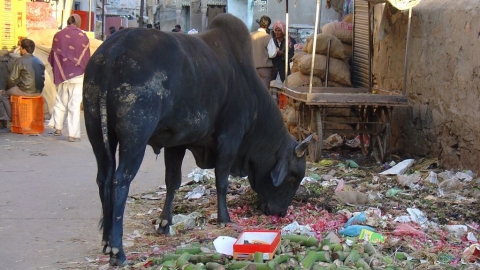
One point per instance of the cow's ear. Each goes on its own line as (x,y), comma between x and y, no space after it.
(279,172)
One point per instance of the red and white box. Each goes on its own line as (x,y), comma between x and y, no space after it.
(251,241)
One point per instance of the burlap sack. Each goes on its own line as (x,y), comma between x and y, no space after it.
(348,18)
(339,71)
(298,79)
(295,58)
(336,47)
(348,50)
(333,84)
(307,41)
(342,30)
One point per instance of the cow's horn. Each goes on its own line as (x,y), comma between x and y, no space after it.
(300,148)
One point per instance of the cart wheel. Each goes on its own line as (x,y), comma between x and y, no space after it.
(366,116)
(315,146)
(380,139)
(301,119)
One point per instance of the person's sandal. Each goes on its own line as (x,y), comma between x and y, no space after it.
(57,132)
(73,139)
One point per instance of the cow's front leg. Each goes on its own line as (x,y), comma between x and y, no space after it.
(173,178)
(221,182)
(128,166)
(227,149)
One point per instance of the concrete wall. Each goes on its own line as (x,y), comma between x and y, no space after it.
(442,82)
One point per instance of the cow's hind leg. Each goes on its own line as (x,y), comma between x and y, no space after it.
(131,156)
(173,178)
(105,166)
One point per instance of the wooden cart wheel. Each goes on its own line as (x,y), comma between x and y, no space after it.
(315,146)
(301,115)
(366,117)
(380,139)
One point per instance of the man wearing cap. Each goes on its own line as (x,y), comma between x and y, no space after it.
(69,57)
(260,40)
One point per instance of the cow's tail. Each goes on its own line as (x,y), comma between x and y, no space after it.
(106,221)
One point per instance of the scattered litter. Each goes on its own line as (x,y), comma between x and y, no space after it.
(356,143)
(184,222)
(201,175)
(333,141)
(464,176)
(393,192)
(457,230)
(432,178)
(224,244)
(359,218)
(372,237)
(339,185)
(405,229)
(450,185)
(446,175)
(418,217)
(151,197)
(351,197)
(196,193)
(326,163)
(471,237)
(400,168)
(409,180)
(351,164)
(354,230)
(295,228)
(333,238)
(472,253)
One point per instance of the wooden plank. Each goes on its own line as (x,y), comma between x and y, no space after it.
(356,99)
(344,96)
(338,90)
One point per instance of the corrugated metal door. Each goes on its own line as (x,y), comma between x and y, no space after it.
(361,60)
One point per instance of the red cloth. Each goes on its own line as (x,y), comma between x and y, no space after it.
(70,54)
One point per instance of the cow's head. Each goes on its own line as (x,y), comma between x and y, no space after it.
(277,187)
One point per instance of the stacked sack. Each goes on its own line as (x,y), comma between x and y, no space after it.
(39,16)
(339,70)
(343,31)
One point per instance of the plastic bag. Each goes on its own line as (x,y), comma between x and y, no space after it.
(354,230)
(405,229)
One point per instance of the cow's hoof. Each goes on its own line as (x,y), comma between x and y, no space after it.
(114,261)
(163,227)
(106,248)
(118,258)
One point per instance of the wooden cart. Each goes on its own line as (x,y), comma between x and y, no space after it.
(371,109)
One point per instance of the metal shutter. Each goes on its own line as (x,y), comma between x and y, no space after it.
(361,60)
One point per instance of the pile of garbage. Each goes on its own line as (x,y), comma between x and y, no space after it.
(405,214)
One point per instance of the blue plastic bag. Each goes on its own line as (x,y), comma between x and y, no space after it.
(354,230)
(356,219)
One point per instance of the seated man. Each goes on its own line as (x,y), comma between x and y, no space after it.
(26,78)
(6,62)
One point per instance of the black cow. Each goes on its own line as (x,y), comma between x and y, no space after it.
(198,92)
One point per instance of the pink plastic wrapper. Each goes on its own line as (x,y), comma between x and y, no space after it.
(405,229)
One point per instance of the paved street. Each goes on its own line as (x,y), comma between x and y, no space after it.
(49,204)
